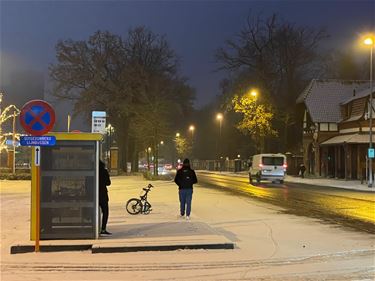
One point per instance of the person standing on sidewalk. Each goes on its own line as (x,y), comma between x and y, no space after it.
(185,178)
(302,170)
(104,181)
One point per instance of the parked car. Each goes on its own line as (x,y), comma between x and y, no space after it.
(267,167)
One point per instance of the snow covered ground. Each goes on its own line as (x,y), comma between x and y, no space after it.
(269,245)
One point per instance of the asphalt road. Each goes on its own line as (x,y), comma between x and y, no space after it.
(344,208)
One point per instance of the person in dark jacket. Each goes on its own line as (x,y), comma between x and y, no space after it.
(185,178)
(302,170)
(104,181)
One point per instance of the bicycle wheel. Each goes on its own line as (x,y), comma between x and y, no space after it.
(134,206)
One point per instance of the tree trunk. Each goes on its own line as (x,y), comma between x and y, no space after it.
(122,135)
(135,159)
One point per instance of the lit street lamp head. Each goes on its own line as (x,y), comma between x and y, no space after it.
(219,116)
(191,128)
(369,41)
(254,93)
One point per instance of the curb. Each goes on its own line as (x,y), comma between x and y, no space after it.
(22,249)
(119,248)
(126,249)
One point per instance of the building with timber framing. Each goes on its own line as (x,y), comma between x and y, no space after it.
(336,128)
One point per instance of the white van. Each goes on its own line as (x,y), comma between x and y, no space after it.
(268,167)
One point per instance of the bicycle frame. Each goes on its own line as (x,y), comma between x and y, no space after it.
(141,205)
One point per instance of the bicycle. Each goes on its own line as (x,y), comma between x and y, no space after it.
(135,206)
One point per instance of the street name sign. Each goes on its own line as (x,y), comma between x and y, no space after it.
(37,117)
(38,140)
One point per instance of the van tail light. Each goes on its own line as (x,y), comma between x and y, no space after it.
(261,165)
(285,166)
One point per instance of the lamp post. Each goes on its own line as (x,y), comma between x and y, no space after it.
(110,130)
(148,151)
(254,94)
(191,129)
(369,41)
(219,117)
(175,151)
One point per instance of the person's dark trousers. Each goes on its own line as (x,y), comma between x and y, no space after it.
(104,207)
(185,194)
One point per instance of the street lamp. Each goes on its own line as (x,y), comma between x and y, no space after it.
(176,151)
(254,93)
(191,129)
(219,117)
(369,41)
(109,130)
(148,151)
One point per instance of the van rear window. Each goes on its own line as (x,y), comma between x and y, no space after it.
(273,161)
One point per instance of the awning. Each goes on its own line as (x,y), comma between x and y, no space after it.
(350,139)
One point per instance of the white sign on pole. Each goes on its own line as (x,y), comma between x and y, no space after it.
(37,156)
(98,122)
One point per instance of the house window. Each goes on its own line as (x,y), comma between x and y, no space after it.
(323,127)
(333,127)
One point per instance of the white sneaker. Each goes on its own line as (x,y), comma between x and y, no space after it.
(187,218)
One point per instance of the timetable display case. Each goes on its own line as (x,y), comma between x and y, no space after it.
(69,189)
(68,193)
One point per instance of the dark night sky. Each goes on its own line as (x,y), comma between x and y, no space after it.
(195,29)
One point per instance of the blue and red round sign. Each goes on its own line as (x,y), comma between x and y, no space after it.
(37,117)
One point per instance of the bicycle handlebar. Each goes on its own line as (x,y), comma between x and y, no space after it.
(148,188)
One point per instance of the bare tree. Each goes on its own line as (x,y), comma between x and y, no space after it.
(115,74)
(274,55)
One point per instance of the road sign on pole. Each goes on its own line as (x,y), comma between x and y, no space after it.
(37,117)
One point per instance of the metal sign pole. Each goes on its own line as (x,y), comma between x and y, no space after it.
(37,220)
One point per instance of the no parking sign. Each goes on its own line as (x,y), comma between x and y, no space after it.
(37,117)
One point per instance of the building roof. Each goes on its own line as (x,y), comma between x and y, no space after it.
(351,138)
(323,98)
(358,95)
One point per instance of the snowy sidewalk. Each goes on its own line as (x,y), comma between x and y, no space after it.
(337,183)
(269,244)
